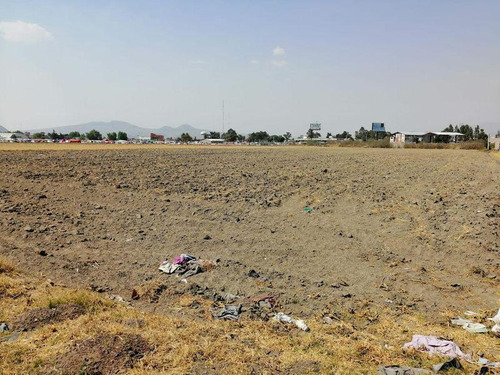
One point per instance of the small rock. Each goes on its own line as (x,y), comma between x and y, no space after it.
(28,229)
(254,274)
(135,295)
(43,253)
(11,337)
(328,320)
(139,216)
(42,196)
(207,237)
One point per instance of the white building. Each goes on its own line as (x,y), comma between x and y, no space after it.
(496,142)
(12,137)
(407,137)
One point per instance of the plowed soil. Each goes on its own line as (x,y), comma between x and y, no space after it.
(319,227)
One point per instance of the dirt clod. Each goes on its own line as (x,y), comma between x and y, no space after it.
(103,354)
(35,318)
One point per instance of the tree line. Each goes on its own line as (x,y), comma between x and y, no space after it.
(93,135)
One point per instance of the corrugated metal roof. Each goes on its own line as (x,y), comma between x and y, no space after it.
(451,134)
(420,134)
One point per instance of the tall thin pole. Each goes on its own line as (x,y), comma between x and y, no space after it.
(223,117)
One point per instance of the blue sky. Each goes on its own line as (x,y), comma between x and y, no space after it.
(278,65)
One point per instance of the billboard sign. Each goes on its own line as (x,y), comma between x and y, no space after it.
(315,126)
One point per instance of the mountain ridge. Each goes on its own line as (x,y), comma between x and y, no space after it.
(131,129)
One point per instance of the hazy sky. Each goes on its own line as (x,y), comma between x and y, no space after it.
(278,65)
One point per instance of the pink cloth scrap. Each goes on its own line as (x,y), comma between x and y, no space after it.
(435,345)
(183,258)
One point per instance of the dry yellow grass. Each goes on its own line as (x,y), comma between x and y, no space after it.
(358,345)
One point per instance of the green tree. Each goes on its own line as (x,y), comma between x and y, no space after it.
(260,136)
(230,136)
(241,138)
(185,137)
(312,134)
(344,135)
(94,135)
(277,138)
(287,136)
(214,135)
(112,136)
(55,136)
(39,135)
(122,136)
(449,128)
(74,135)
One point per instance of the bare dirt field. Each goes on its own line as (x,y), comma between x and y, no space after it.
(325,231)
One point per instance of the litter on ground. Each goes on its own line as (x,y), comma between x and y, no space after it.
(435,345)
(286,319)
(186,265)
(229,312)
(402,370)
(475,327)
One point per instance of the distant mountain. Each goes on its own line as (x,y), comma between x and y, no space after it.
(2,129)
(131,130)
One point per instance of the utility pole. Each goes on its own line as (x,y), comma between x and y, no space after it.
(222,117)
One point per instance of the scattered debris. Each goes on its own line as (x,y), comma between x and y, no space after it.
(453,363)
(286,319)
(117,298)
(168,267)
(484,362)
(267,301)
(435,345)
(470,313)
(186,265)
(229,312)
(496,320)
(327,320)
(475,327)
(183,259)
(254,274)
(460,321)
(402,370)
(307,209)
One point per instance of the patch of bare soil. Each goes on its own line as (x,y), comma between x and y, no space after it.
(103,354)
(35,318)
(322,230)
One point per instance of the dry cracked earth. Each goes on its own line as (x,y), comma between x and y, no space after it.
(317,228)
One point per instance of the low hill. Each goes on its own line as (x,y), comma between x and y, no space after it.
(131,130)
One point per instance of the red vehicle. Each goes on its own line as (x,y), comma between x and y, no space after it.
(75,141)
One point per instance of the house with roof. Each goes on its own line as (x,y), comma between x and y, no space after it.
(407,137)
(442,137)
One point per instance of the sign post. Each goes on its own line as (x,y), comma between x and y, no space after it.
(314,126)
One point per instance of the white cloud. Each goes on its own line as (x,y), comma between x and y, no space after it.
(279,63)
(197,62)
(278,51)
(20,31)
(255,62)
